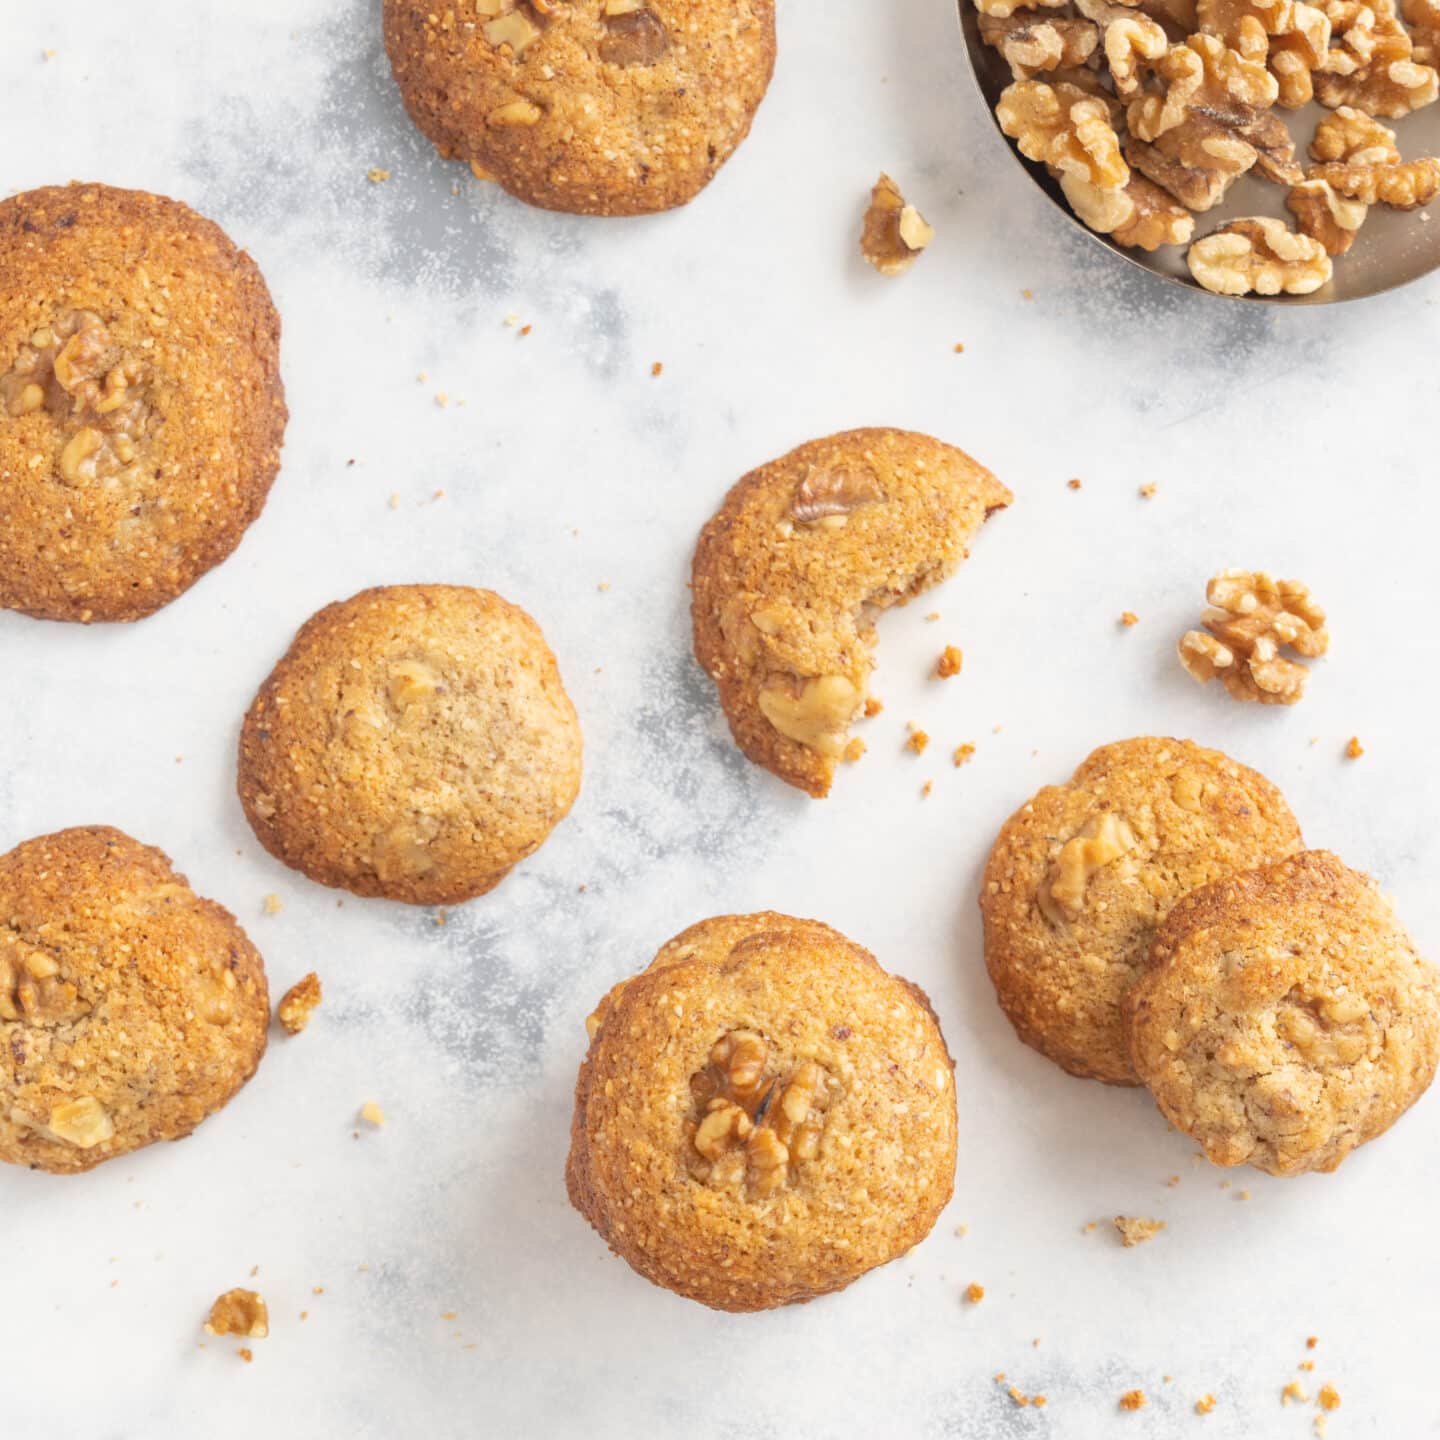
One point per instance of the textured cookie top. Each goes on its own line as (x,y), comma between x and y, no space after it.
(598,107)
(791,571)
(141,410)
(130,1008)
(414,742)
(1287,1017)
(764,1114)
(1080,876)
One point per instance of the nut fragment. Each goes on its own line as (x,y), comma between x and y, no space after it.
(1005,8)
(633,37)
(1355,137)
(515,112)
(1196,161)
(239,1312)
(515,29)
(83,1122)
(1157,219)
(1252,616)
(1130,42)
(1326,216)
(1205,77)
(1065,129)
(31,989)
(1405,186)
(1136,1230)
(1033,43)
(411,681)
(298,1003)
(894,233)
(1262,255)
(1061,896)
(830,493)
(817,716)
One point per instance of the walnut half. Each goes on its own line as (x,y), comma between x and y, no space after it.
(1259,255)
(1061,896)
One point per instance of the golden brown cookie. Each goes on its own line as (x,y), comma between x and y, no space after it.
(415,742)
(1080,876)
(1286,1017)
(793,568)
(141,410)
(598,107)
(130,1008)
(763,1115)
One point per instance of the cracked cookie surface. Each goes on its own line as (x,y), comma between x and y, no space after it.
(1286,1017)
(415,742)
(1080,876)
(597,107)
(764,1114)
(141,408)
(130,1007)
(790,573)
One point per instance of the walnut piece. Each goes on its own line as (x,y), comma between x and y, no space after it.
(830,495)
(1353,136)
(1061,896)
(513,28)
(1203,75)
(1130,42)
(1292,38)
(1373,68)
(894,233)
(1157,220)
(750,1128)
(1423,18)
(1065,129)
(1251,618)
(298,1003)
(1197,161)
(411,681)
(239,1312)
(1136,1230)
(814,712)
(1259,255)
(633,37)
(1326,216)
(1003,9)
(31,989)
(1032,43)
(1405,186)
(83,1122)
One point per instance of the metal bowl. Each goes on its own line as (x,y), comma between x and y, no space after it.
(1393,248)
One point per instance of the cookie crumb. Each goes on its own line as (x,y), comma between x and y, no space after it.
(917,741)
(1090,1228)
(273,904)
(298,1003)
(239,1312)
(1311,1341)
(1293,1392)
(950,662)
(1205,1404)
(963,754)
(854,749)
(442,399)
(246,1354)
(1147,490)
(974,1293)
(926,788)
(1306,1365)
(962,1231)
(1173,1181)
(372,1114)
(1073,484)
(933,616)
(1133,1400)
(873,707)
(959,348)
(376,176)
(1354,750)
(1129,618)
(1328,1398)
(657,370)
(1135,1230)
(525,330)
(1027,294)
(394,499)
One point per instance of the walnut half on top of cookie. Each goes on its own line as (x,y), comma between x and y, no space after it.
(597,107)
(791,571)
(764,1114)
(415,742)
(1080,876)
(1286,1017)
(141,408)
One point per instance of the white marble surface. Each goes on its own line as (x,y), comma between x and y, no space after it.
(1298,440)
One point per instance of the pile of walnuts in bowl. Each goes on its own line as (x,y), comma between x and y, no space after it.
(1147,111)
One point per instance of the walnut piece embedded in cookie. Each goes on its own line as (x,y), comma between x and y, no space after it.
(141,408)
(239,1312)
(1080,876)
(792,570)
(894,233)
(1286,1017)
(415,742)
(299,1003)
(130,1008)
(1251,618)
(1260,256)
(764,1114)
(597,107)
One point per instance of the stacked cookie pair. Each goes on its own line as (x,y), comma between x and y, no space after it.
(1158,921)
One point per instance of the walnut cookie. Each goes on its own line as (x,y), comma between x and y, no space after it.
(1081,875)
(791,571)
(130,1008)
(1286,1017)
(597,107)
(415,742)
(141,408)
(764,1114)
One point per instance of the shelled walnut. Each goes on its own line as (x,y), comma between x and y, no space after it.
(1405,186)
(1250,619)
(1070,132)
(239,1312)
(1203,75)
(1132,42)
(1291,37)
(1032,43)
(1423,18)
(1353,136)
(894,233)
(751,1127)
(31,987)
(1259,255)
(1156,219)
(1326,216)
(1197,161)
(1102,841)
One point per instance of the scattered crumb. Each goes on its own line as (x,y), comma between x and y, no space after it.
(239,1312)
(440,494)
(926,788)
(304,1314)
(318,1290)
(1205,1404)
(1133,1400)
(441,399)
(933,616)
(854,749)
(47,54)
(449,1314)
(959,348)
(423,376)
(376,176)
(1243,1195)
(273,903)
(603,586)
(1173,1181)
(1293,1392)
(1129,618)
(962,1231)
(394,499)
(1354,750)
(974,1293)
(1311,1341)
(1328,1398)
(949,663)
(1322,1422)
(372,1114)
(1147,490)
(1134,1230)
(963,753)
(1027,294)
(918,741)
(246,1354)
(512,319)
(873,707)
(657,369)
(442,916)
(1073,484)
(1091,1228)
(525,330)
(298,1003)
(1306,1365)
